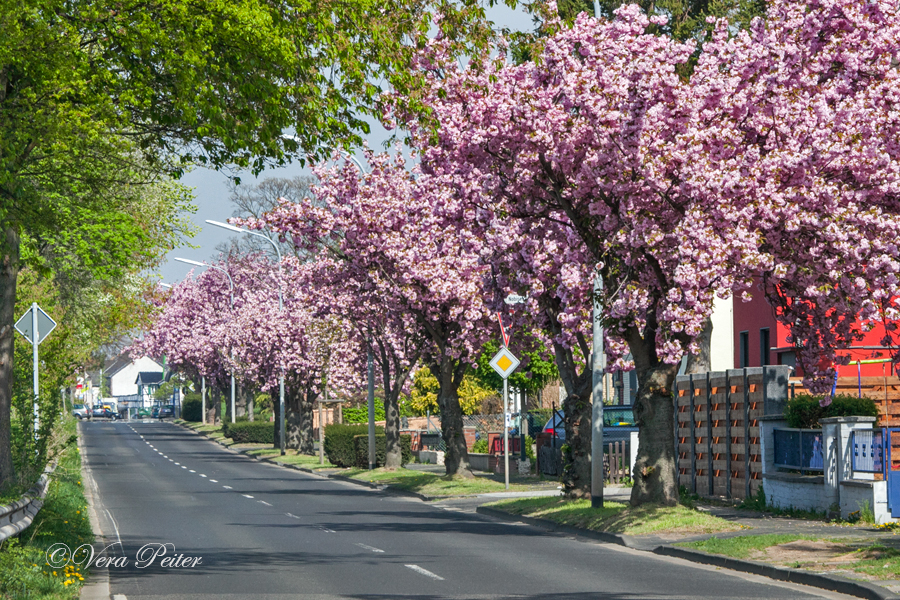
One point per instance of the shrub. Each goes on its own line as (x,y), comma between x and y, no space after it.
(803,411)
(247,432)
(480,446)
(339,446)
(192,408)
(361,443)
(360,414)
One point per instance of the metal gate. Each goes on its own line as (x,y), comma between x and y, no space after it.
(892,469)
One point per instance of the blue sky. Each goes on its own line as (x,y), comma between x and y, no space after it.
(211,190)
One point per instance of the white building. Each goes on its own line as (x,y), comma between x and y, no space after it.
(122,377)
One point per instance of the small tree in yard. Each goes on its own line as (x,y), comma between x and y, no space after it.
(776,159)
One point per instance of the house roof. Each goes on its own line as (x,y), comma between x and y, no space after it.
(118,363)
(145,377)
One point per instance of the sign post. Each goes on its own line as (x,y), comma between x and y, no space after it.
(35,325)
(504,363)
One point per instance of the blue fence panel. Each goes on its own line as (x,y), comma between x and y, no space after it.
(799,449)
(868,451)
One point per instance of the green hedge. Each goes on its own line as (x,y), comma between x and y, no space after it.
(246,432)
(803,411)
(362,450)
(339,446)
(192,408)
(360,414)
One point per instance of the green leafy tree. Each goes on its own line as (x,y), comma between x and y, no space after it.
(96,96)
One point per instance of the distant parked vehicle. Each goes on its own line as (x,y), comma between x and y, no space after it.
(144,412)
(80,411)
(618,423)
(166,412)
(104,412)
(155,412)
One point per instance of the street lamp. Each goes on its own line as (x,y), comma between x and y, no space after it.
(231,227)
(370,361)
(231,284)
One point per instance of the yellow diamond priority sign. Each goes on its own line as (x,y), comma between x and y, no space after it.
(504,362)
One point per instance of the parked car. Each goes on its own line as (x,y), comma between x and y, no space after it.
(80,411)
(143,413)
(618,423)
(154,413)
(104,412)
(166,412)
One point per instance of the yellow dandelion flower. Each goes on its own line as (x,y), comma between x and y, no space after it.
(54,573)
(77,512)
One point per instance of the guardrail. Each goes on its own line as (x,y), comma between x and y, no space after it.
(17,516)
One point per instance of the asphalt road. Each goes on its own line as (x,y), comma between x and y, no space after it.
(262,531)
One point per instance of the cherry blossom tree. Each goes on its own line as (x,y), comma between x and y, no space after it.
(776,160)
(387,226)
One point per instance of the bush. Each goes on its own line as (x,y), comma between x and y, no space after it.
(247,432)
(192,408)
(803,411)
(339,446)
(361,443)
(480,446)
(360,414)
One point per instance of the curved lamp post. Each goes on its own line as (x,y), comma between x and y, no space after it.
(231,227)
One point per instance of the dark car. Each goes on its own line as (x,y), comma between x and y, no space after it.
(618,423)
(166,412)
(104,412)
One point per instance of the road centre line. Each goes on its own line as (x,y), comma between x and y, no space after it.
(371,548)
(202,475)
(214,480)
(292,516)
(246,495)
(424,572)
(227,487)
(326,530)
(264,502)
(192,471)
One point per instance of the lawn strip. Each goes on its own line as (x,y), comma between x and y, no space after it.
(63,519)
(744,546)
(617,518)
(432,484)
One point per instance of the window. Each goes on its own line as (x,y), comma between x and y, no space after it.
(744,349)
(764,346)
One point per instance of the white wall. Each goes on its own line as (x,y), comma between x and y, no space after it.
(721,353)
(123,382)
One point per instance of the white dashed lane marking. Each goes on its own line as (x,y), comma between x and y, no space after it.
(214,481)
(371,548)
(246,495)
(424,572)
(202,475)
(264,502)
(292,516)
(227,487)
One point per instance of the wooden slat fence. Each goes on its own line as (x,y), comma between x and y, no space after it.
(717,428)
(617,462)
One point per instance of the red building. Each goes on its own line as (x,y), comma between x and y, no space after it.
(761,340)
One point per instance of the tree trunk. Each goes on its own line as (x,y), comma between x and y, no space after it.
(450,375)
(307,406)
(293,419)
(9,271)
(655,475)
(248,401)
(240,401)
(393,455)
(576,452)
(576,476)
(214,406)
(701,362)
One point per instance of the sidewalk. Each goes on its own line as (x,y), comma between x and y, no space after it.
(818,562)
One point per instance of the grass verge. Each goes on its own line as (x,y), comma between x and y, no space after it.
(744,546)
(617,518)
(291,457)
(24,572)
(432,484)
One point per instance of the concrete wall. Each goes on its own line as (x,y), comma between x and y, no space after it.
(855,494)
(721,351)
(785,490)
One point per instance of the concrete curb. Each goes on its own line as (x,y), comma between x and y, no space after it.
(834,583)
(97,586)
